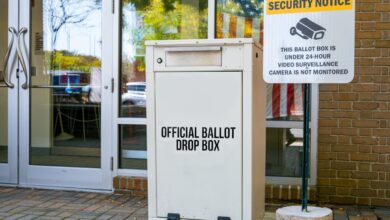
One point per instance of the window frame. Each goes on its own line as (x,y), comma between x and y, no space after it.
(142,121)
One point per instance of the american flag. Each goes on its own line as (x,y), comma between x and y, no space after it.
(243,18)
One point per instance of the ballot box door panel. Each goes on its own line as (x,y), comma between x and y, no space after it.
(199,144)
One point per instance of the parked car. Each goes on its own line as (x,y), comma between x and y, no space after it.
(135,94)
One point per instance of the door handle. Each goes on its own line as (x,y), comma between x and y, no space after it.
(22,31)
(7,80)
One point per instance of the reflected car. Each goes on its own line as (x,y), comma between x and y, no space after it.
(135,94)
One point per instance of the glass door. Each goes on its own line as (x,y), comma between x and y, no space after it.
(8,92)
(64,93)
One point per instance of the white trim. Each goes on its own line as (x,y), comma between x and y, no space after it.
(115,75)
(65,188)
(132,172)
(133,121)
(284,124)
(211,19)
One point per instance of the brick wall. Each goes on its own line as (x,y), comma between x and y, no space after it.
(138,186)
(354,126)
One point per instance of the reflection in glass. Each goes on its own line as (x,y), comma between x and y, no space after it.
(132,151)
(237,19)
(285,102)
(3,121)
(65,83)
(3,90)
(152,20)
(284,152)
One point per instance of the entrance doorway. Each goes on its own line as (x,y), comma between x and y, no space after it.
(54,102)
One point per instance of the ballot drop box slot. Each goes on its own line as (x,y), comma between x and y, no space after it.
(205,129)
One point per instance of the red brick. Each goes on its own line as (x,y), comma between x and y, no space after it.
(327,156)
(115,182)
(381,132)
(345,114)
(345,96)
(381,167)
(364,140)
(329,87)
(343,165)
(381,149)
(365,105)
(367,52)
(365,132)
(328,105)
(345,131)
(343,183)
(383,7)
(364,175)
(382,44)
(343,174)
(380,202)
(122,183)
(363,157)
(327,123)
(368,16)
(365,149)
(344,148)
(366,123)
(364,192)
(326,96)
(383,25)
(381,115)
(365,7)
(380,185)
(368,34)
(382,62)
(323,165)
(346,200)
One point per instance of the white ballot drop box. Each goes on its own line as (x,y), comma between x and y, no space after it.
(206,103)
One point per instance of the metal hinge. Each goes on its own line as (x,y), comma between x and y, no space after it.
(112,164)
(112,85)
(113,7)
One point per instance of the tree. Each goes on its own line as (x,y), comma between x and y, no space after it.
(62,12)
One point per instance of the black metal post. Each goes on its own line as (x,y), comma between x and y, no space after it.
(306,144)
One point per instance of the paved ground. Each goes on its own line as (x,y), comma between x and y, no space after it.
(38,204)
(53,204)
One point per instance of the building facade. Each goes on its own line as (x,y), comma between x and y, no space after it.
(72,111)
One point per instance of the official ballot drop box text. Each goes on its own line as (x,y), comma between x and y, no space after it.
(205,129)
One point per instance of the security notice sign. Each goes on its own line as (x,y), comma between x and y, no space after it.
(309,41)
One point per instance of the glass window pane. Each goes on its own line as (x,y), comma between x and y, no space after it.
(3,90)
(284,152)
(66,83)
(152,20)
(132,150)
(236,19)
(285,102)
(3,121)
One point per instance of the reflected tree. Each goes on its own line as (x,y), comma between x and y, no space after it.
(62,12)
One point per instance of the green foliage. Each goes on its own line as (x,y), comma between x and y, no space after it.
(66,60)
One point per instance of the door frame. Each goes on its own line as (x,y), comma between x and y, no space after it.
(68,177)
(9,170)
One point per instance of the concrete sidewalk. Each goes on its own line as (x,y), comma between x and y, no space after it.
(22,203)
